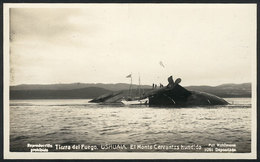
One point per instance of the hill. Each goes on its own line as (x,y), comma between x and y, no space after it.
(111,87)
(84,93)
(225,90)
(66,91)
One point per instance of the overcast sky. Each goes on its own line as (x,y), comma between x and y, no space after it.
(202,44)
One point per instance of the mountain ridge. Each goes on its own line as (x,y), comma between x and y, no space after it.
(83,93)
(109,86)
(70,86)
(224,90)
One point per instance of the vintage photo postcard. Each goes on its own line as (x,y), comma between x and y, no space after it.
(129,81)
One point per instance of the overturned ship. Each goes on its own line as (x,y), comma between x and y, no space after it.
(173,95)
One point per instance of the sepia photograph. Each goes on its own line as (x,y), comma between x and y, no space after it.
(130,81)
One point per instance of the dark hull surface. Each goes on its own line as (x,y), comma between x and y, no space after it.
(193,98)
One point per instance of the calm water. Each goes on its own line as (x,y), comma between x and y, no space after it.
(69,122)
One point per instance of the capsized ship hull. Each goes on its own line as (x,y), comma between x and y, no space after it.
(172,95)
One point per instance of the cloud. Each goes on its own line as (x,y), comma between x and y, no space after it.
(106,42)
(41,24)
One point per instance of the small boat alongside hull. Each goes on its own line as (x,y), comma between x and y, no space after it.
(136,102)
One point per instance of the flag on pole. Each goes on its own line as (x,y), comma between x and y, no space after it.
(161,63)
(129,76)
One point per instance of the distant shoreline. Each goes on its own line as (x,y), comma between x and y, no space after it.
(86,98)
(89,91)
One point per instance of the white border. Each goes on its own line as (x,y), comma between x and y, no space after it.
(96,155)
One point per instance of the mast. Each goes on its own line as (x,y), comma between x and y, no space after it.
(130,88)
(139,87)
